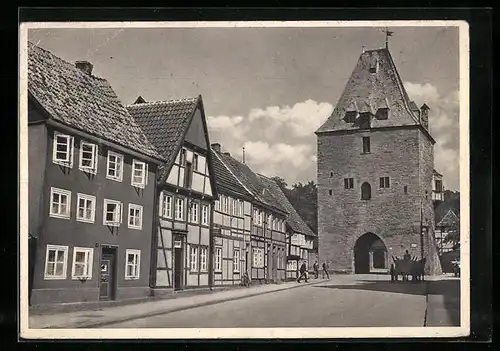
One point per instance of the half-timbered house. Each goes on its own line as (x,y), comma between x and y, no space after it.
(91,186)
(186,192)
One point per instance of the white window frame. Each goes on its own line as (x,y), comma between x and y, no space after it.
(205,214)
(70,145)
(269,221)
(193,212)
(218,259)
(89,259)
(203,258)
(85,197)
(144,178)
(137,264)
(166,201)
(257,257)
(193,258)
(60,192)
(112,223)
(65,262)
(118,165)
(135,208)
(179,200)
(95,157)
(236,260)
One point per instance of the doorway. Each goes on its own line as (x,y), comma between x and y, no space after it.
(370,254)
(107,274)
(178,263)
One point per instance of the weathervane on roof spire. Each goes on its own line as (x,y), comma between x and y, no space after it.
(388,33)
(243,154)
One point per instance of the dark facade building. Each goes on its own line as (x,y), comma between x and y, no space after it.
(182,243)
(91,186)
(375,173)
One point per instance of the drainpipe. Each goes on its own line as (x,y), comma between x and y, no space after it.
(211,248)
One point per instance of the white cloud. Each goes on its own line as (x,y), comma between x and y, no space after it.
(277,140)
(444,127)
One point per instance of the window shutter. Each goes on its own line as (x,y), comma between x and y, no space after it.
(146,174)
(71,150)
(161,205)
(121,211)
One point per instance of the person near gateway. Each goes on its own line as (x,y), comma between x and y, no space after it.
(303,272)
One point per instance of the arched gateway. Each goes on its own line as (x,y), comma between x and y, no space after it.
(370,254)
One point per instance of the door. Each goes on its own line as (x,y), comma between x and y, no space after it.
(107,277)
(269,262)
(178,268)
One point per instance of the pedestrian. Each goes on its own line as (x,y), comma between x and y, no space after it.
(393,272)
(303,272)
(407,256)
(316,269)
(324,271)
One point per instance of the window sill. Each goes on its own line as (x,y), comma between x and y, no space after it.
(63,163)
(133,227)
(365,153)
(82,277)
(111,224)
(115,179)
(139,186)
(55,215)
(92,171)
(83,220)
(54,278)
(131,278)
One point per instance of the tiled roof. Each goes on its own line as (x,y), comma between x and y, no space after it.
(82,101)
(294,220)
(224,178)
(367,92)
(165,124)
(449,219)
(252,182)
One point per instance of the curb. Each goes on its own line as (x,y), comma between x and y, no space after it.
(178,309)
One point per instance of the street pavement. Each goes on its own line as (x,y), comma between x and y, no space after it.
(344,301)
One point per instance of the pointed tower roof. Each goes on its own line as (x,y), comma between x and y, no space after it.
(374,83)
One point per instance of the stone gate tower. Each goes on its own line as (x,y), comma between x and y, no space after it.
(375,173)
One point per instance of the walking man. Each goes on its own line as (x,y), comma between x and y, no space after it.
(324,271)
(316,269)
(303,272)
(407,256)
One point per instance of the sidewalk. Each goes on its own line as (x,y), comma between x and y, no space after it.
(443,302)
(100,318)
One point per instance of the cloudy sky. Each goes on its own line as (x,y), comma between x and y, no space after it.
(269,89)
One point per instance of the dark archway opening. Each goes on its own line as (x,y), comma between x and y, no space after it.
(370,254)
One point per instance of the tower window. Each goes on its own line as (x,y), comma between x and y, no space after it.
(348,183)
(331,174)
(405,189)
(330,192)
(382,113)
(366,145)
(366,191)
(374,66)
(350,116)
(384,182)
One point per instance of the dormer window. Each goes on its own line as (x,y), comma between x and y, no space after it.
(350,116)
(382,113)
(374,66)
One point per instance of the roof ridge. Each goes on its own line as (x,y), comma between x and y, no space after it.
(232,173)
(159,102)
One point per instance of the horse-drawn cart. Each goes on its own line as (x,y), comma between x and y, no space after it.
(407,267)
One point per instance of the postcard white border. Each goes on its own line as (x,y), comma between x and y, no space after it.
(249,333)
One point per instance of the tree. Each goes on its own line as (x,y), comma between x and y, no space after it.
(453,236)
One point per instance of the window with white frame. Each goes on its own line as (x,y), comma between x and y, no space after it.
(195,162)
(89,155)
(56,262)
(60,203)
(179,208)
(114,169)
(269,221)
(258,257)
(139,174)
(165,205)
(193,261)
(135,216)
(62,150)
(82,262)
(217,205)
(112,215)
(132,264)
(193,212)
(218,259)
(205,214)
(255,216)
(86,208)
(261,218)
(203,259)
(242,208)
(236,260)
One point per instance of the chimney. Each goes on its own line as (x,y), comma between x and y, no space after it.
(216,147)
(424,116)
(85,66)
(227,153)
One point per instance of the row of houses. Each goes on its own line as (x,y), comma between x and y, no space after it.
(131,201)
